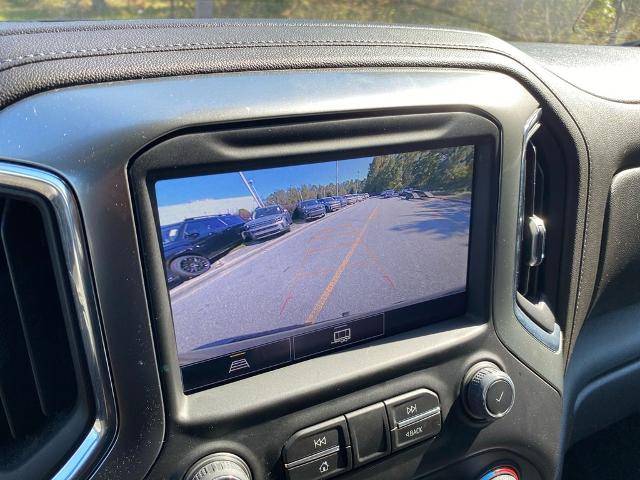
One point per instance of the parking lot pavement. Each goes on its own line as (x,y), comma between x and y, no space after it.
(368,256)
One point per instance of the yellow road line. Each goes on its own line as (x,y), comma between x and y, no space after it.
(338,273)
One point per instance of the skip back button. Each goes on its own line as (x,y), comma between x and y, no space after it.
(313,441)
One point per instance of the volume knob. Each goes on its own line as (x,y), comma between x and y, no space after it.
(219,466)
(488,393)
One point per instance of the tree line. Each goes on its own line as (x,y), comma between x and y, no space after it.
(571,21)
(291,196)
(448,169)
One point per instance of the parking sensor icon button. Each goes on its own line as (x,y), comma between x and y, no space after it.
(239,364)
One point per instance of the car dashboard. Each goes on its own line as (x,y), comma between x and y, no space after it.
(529,346)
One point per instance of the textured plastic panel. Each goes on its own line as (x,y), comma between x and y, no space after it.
(620,258)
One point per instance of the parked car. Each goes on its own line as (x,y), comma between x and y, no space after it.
(190,246)
(351,199)
(342,200)
(311,209)
(415,193)
(424,193)
(330,204)
(266,222)
(409,194)
(388,194)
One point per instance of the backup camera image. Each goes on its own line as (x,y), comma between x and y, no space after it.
(253,257)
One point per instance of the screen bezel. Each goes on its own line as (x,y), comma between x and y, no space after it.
(282,142)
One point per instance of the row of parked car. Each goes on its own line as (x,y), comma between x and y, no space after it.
(407,193)
(190,246)
(312,209)
(274,219)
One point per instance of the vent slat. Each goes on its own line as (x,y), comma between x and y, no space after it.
(34,284)
(17,388)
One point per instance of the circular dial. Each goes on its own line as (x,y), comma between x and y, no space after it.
(219,466)
(489,392)
(501,473)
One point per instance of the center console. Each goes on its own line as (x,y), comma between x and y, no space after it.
(333,282)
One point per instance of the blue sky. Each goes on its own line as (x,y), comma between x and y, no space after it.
(266,181)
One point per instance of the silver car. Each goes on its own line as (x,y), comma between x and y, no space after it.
(266,222)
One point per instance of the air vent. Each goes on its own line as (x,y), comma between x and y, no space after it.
(533,234)
(531,288)
(48,402)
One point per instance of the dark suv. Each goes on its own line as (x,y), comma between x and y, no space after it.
(342,200)
(330,204)
(311,209)
(190,246)
(266,222)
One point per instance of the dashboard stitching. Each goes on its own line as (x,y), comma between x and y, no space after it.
(213,45)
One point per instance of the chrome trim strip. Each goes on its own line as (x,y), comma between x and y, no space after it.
(428,414)
(552,340)
(315,456)
(67,217)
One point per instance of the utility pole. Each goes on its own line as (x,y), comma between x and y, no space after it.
(337,179)
(252,190)
(257,195)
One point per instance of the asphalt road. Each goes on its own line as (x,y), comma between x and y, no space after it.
(367,256)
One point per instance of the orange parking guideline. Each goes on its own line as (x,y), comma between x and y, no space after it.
(338,273)
(323,234)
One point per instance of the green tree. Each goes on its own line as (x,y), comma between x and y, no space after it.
(573,21)
(443,169)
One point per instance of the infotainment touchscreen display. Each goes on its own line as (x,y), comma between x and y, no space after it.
(271,266)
